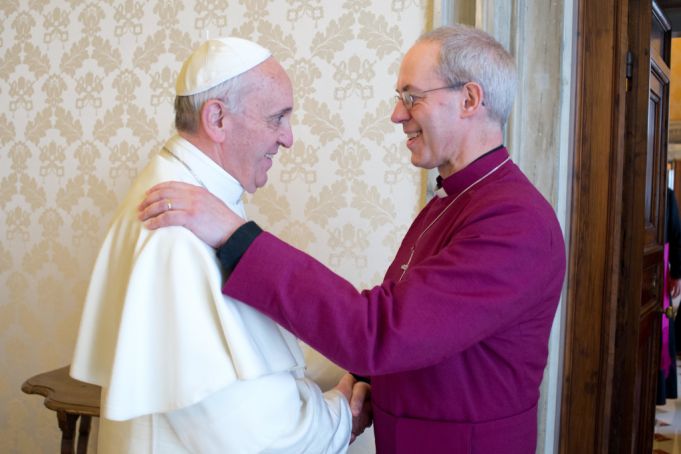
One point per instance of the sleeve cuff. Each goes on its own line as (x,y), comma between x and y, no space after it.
(235,247)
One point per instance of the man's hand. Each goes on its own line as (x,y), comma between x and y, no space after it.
(193,207)
(358,395)
(675,287)
(345,385)
(362,412)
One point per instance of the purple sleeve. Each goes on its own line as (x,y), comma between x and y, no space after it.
(505,271)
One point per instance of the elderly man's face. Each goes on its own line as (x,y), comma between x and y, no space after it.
(263,125)
(432,124)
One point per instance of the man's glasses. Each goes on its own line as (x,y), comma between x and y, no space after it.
(408,98)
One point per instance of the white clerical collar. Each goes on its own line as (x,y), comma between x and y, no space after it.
(206,171)
(440,191)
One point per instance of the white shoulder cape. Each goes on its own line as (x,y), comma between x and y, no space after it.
(154,308)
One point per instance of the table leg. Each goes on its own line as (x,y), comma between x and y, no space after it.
(67,424)
(83,433)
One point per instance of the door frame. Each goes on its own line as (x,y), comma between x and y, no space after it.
(603,286)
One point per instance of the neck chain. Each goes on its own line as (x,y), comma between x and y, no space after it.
(186,166)
(413,246)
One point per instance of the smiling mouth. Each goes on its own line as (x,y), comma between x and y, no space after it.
(411,136)
(269,156)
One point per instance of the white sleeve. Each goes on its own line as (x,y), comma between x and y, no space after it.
(275,413)
(320,369)
(326,374)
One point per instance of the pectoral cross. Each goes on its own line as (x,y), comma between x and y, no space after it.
(406,265)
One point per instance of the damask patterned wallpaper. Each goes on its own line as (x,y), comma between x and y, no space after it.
(86,91)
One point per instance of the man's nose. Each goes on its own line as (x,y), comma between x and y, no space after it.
(400,113)
(286,139)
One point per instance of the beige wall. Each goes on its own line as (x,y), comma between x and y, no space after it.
(675,82)
(86,89)
(674,132)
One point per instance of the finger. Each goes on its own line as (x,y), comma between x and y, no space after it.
(158,215)
(345,386)
(156,208)
(152,197)
(358,426)
(166,219)
(360,392)
(167,190)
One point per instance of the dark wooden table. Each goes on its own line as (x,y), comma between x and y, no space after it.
(71,399)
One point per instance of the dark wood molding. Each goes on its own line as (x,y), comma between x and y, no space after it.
(595,230)
(624,409)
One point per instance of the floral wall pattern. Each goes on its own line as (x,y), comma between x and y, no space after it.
(86,92)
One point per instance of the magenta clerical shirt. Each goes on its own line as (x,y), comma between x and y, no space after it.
(456,345)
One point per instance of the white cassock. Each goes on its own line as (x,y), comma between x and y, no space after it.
(182,367)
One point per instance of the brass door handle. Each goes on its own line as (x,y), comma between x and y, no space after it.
(668,312)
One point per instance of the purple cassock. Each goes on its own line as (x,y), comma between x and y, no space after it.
(455,338)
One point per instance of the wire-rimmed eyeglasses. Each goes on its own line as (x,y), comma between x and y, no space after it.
(408,98)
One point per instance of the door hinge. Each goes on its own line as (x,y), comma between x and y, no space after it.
(629,69)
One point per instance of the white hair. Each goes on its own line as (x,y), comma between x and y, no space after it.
(468,54)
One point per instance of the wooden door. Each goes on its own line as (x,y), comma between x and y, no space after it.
(648,177)
(615,275)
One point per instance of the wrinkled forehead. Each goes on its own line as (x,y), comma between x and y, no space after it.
(419,67)
(269,83)
(266,72)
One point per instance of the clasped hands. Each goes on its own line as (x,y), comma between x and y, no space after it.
(358,395)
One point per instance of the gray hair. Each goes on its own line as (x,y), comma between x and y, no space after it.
(188,108)
(468,54)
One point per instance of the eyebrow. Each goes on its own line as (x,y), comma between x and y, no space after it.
(282,112)
(406,87)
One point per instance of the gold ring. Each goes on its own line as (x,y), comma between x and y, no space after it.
(170,205)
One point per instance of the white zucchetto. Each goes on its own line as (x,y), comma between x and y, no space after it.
(216,61)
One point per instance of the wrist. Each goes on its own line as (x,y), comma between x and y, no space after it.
(228,234)
(236,244)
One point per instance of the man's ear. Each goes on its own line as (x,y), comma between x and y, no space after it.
(473,98)
(213,119)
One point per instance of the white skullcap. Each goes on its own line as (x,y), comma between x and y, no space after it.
(216,61)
